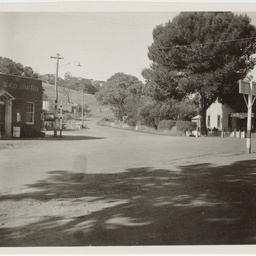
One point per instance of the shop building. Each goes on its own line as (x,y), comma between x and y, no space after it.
(20,106)
(225,120)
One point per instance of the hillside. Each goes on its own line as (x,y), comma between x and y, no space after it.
(75,97)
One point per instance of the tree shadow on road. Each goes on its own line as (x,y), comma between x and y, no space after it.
(195,205)
(72,137)
(58,138)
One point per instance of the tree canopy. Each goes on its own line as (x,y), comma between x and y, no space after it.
(89,86)
(202,53)
(8,66)
(122,92)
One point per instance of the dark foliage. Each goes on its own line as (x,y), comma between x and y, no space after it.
(27,131)
(166,124)
(184,126)
(9,67)
(124,94)
(204,53)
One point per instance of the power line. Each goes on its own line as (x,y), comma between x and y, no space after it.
(159,46)
(105,20)
(201,44)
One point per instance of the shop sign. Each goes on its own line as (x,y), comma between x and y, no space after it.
(19,83)
(240,115)
(25,87)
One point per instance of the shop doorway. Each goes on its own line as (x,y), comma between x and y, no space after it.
(2,119)
(5,114)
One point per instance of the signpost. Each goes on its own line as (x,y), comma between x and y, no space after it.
(248,88)
(244,87)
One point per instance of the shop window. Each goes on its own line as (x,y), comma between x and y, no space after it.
(30,112)
(218,121)
(209,121)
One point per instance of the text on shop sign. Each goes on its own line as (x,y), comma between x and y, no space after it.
(26,87)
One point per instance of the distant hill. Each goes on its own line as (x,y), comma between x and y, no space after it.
(75,97)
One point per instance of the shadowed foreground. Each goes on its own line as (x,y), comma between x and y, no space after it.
(196,205)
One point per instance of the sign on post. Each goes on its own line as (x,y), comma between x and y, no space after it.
(244,87)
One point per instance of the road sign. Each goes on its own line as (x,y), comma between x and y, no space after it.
(244,87)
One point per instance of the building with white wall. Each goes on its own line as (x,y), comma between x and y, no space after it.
(218,116)
(221,117)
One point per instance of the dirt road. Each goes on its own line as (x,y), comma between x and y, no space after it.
(104,186)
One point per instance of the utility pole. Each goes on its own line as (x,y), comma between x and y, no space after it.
(82,108)
(56,92)
(61,116)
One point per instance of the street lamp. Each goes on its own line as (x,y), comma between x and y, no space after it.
(78,64)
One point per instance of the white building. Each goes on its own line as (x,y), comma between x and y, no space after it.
(218,116)
(223,118)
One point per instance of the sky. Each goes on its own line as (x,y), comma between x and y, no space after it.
(104,43)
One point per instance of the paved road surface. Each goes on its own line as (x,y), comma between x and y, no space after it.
(104,186)
(106,150)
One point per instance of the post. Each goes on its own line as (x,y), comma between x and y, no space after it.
(61,119)
(56,97)
(249,120)
(82,109)
(56,93)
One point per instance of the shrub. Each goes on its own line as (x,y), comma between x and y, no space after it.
(184,126)
(28,131)
(132,120)
(109,119)
(175,132)
(166,124)
(132,105)
(149,115)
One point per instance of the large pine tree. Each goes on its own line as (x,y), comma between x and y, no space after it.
(202,53)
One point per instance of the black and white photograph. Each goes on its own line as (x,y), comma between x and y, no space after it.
(128,125)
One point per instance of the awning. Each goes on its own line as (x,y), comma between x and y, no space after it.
(196,117)
(240,115)
(4,95)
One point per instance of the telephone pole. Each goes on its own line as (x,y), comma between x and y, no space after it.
(56,92)
(82,108)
